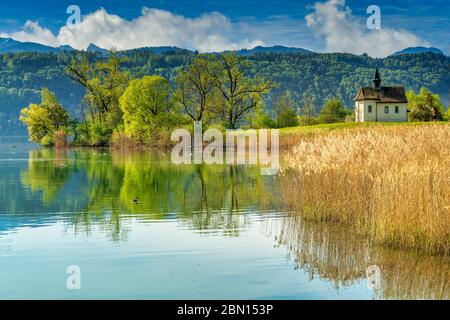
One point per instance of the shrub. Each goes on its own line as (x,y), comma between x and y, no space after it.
(333,111)
(60,139)
(425,106)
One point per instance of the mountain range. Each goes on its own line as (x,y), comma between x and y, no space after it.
(414,50)
(273,49)
(9,45)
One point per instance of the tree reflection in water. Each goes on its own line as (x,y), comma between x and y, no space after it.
(205,198)
(96,188)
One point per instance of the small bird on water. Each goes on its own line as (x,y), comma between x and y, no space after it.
(136,200)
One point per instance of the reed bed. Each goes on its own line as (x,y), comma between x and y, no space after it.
(391,183)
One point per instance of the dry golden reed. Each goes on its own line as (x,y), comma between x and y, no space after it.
(391,183)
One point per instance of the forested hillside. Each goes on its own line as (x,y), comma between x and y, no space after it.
(321,76)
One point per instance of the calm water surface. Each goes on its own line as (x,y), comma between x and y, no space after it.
(196,232)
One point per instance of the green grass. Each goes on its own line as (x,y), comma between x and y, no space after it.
(349,125)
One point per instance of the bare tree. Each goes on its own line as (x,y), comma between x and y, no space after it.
(195,90)
(240,94)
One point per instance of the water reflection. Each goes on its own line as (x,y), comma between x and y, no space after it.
(333,252)
(91,189)
(105,187)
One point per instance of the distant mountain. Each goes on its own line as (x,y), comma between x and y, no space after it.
(274,49)
(155,50)
(160,50)
(8,45)
(65,48)
(414,50)
(93,48)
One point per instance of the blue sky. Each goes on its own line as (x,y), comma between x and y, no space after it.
(333,25)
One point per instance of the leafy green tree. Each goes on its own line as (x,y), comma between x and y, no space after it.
(59,117)
(425,106)
(37,120)
(143,100)
(333,111)
(285,111)
(44,119)
(260,119)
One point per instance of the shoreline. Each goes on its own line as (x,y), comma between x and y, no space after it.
(286,134)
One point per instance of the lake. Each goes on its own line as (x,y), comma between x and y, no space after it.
(139,227)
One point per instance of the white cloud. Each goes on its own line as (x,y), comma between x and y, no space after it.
(33,32)
(209,32)
(343,32)
(332,21)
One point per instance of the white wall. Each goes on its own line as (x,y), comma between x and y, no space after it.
(362,113)
(402,116)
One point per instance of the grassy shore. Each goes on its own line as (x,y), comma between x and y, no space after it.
(389,181)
